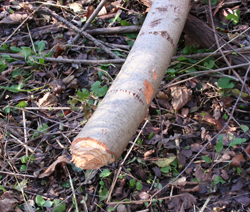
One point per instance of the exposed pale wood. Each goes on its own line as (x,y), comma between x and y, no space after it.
(107,133)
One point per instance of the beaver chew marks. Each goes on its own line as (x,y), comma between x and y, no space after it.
(88,153)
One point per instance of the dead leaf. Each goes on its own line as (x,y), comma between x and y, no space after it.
(30,206)
(194,189)
(15,18)
(89,12)
(61,159)
(239,185)
(76,7)
(217,113)
(181,96)
(237,160)
(189,200)
(210,119)
(9,200)
(161,95)
(244,200)
(157,171)
(164,162)
(185,112)
(148,153)
(48,100)
(181,182)
(224,174)
(58,86)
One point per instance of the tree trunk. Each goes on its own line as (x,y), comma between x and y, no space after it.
(107,133)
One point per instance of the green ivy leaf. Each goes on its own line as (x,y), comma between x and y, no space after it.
(125,23)
(237,141)
(21,104)
(206,159)
(8,58)
(40,46)
(244,128)
(235,17)
(60,207)
(24,159)
(16,73)
(41,61)
(132,182)
(66,185)
(131,35)
(98,90)
(219,145)
(139,186)
(213,2)
(23,168)
(26,51)
(48,204)
(187,50)
(2,188)
(3,47)
(224,83)
(166,170)
(15,49)
(111,209)
(83,94)
(130,42)
(105,173)
(218,179)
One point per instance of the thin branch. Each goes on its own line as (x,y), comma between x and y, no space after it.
(82,33)
(91,18)
(64,60)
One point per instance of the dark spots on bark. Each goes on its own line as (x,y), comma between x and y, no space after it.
(134,95)
(164,34)
(155,22)
(162,9)
(168,8)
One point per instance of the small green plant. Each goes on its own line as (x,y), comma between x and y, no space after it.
(41,129)
(103,191)
(206,159)
(225,83)
(244,128)
(218,179)
(219,145)
(42,203)
(234,17)
(98,90)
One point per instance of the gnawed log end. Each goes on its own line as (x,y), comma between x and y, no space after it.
(88,153)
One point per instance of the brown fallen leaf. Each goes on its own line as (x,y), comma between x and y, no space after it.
(184,112)
(217,113)
(48,100)
(15,18)
(58,86)
(61,159)
(181,96)
(9,200)
(237,160)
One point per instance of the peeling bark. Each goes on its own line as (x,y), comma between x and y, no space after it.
(107,133)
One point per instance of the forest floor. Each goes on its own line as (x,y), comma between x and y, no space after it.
(193,149)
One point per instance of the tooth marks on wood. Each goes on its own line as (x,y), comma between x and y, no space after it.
(135,95)
(164,34)
(168,7)
(155,22)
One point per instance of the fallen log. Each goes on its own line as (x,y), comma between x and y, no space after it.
(107,133)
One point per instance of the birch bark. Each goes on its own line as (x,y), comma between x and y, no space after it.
(107,133)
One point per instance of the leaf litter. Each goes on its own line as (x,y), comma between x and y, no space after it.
(43,105)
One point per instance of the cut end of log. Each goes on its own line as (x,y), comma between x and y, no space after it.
(88,153)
